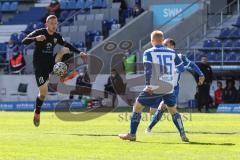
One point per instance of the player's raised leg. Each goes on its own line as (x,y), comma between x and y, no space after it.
(156,117)
(135,120)
(63,55)
(43,90)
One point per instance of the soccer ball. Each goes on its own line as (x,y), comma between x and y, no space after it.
(60,69)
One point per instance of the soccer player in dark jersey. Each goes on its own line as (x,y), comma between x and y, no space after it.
(43,59)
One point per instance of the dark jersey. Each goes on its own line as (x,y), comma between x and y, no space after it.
(43,58)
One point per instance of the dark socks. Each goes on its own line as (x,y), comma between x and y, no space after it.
(155,119)
(38,105)
(135,120)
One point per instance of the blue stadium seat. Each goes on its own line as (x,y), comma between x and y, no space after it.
(217,43)
(63,4)
(79,45)
(236,44)
(63,16)
(224,33)
(13,6)
(14,37)
(98,33)
(232,57)
(104,4)
(237,57)
(40,25)
(128,13)
(5,6)
(228,43)
(207,44)
(199,55)
(225,56)
(29,28)
(3,48)
(88,35)
(219,56)
(80,4)
(71,4)
(97,4)
(89,4)
(234,33)
(212,56)
(237,24)
(106,24)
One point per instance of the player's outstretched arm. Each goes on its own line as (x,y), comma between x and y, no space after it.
(195,68)
(64,43)
(33,37)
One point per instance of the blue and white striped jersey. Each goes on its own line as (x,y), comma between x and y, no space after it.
(165,62)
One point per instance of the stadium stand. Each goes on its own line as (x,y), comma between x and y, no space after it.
(84,23)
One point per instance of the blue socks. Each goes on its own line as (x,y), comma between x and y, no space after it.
(135,120)
(177,120)
(155,119)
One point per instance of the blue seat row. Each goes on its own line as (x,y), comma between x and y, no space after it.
(215,56)
(82,4)
(207,44)
(227,33)
(8,6)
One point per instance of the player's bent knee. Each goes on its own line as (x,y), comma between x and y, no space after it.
(64,50)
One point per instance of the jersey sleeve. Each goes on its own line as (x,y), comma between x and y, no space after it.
(31,37)
(147,58)
(147,61)
(62,42)
(186,61)
(192,65)
(196,69)
(179,64)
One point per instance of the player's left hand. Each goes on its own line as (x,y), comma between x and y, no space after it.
(84,57)
(201,80)
(148,89)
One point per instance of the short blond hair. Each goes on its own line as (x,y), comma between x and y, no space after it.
(157,36)
(51,17)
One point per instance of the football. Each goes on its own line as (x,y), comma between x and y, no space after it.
(60,69)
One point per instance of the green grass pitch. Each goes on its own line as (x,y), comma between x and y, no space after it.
(212,136)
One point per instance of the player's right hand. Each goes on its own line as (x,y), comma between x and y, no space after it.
(40,38)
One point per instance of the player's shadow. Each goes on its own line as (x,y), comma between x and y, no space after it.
(203,143)
(218,133)
(87,135)
(190,143)
(94,135)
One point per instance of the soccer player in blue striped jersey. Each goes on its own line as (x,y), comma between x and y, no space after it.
(170,43)
(159,58)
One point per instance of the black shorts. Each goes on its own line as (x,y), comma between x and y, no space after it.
(41,77)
